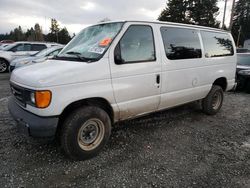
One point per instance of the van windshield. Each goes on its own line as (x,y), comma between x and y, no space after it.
(92,42)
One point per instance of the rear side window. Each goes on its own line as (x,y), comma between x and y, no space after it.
(137,44)
(217,44)
(181,43)
(38,47)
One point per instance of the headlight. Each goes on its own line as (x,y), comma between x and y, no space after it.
(32,98)
(40,99)
(244,72)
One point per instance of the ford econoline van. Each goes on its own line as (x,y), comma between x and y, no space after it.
(115,71)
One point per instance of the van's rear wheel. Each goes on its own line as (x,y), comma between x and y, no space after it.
(85,132)
(248,86)
(214,100)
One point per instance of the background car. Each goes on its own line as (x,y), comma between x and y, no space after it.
(21,49)
(36,58)
(242,50)
(2,46)
(243,71)
(5,43)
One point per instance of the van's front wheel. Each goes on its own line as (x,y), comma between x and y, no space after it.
(214,100)
(85,132)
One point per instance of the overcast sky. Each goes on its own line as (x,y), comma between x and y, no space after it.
(77,14)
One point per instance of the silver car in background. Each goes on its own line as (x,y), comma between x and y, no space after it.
(19,50)
(36,58)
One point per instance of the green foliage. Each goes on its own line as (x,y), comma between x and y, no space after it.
(56,34)
(175,11)
(241,19)
(199,12)
(203,12)
(63,36)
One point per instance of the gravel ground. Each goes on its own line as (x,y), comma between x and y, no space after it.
(181,147)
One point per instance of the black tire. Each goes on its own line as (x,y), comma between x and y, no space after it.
(74,128)
(248,86)
(4,66)
(211,105)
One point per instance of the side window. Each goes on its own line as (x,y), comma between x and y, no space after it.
(38,47)
(18,47)
(21,47)
(217,44)
(26,47)
(137,45)
(181,43)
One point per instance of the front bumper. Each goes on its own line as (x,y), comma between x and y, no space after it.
(31,124)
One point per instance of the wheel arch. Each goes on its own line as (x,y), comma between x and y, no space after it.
(8,62)
(5,60)
(96,101)
(222,82)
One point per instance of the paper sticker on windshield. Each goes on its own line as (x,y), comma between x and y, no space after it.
(96,50)
(105,42)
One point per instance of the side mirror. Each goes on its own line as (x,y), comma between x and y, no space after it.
(117,55)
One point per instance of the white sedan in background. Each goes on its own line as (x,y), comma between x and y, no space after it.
(36,58)
(21,49)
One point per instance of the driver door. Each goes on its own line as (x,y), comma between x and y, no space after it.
(135,70)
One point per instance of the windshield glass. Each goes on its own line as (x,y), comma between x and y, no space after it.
(243,59)
(9,47)
(45,52)
(92,42)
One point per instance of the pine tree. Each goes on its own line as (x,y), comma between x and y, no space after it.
(199,12)
(241,21)
(175,11)
(30,34)
(203,12)
(63,36)
(38,33)
(54,29)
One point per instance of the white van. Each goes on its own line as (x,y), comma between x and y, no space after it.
(114,71)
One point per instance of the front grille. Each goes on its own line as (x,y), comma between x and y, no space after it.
(19,94)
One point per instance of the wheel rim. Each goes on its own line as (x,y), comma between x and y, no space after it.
(3,66)
(91,134)
(216,100)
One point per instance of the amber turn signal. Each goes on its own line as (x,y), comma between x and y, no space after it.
(43,98)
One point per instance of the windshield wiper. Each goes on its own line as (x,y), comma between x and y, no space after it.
(79,55)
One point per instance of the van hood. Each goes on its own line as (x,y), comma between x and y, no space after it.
(58,72)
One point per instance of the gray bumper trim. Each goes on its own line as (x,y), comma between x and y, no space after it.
(32,124)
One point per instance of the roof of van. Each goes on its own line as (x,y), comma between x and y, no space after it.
(169,23)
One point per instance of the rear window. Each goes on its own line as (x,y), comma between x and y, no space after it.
(217,44)
(38,47)
(181,43)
